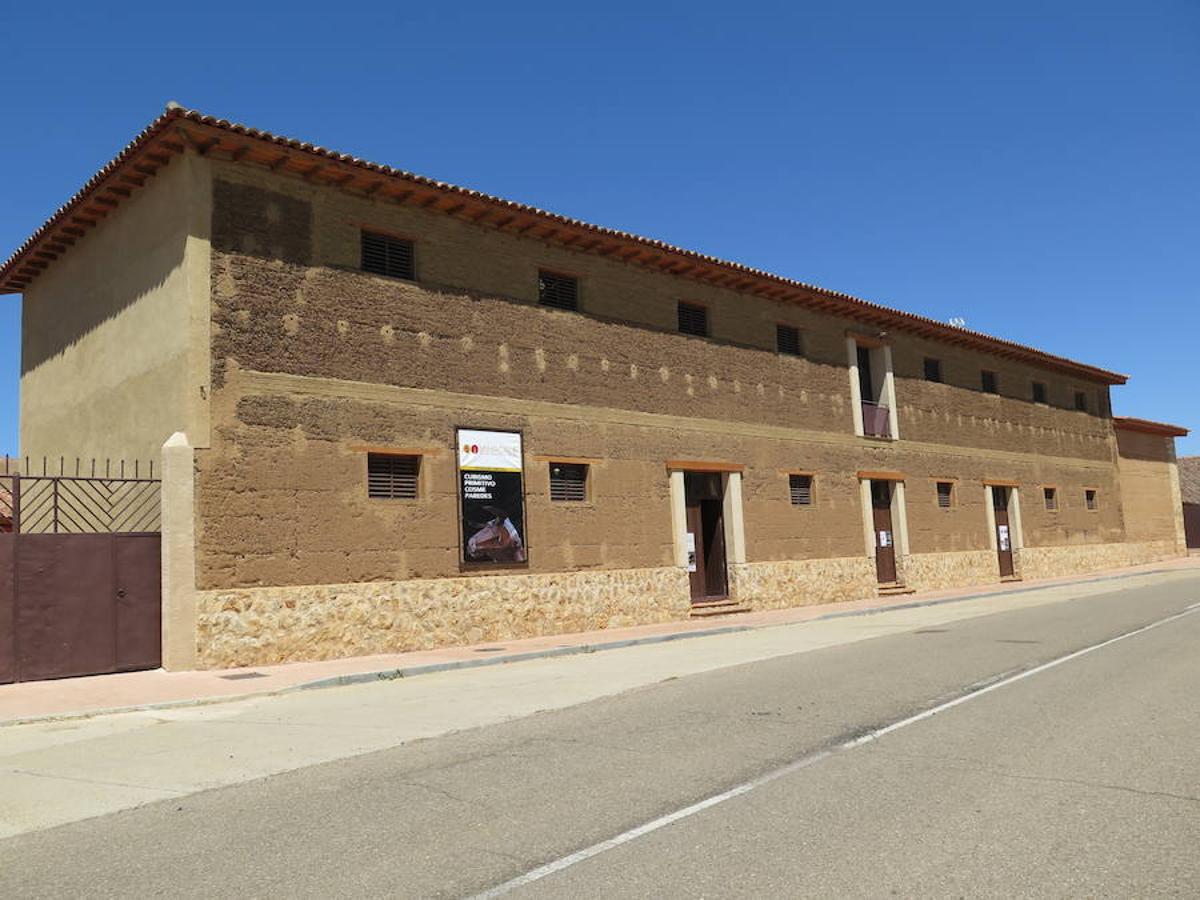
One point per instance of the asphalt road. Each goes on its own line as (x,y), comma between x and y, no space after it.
(1081,779)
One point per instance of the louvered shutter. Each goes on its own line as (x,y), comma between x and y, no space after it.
(693,319)
(801,489)
(383,254)
(558,291)
(787,340)
(568,481)
(392,477)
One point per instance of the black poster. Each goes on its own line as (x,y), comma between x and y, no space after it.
(492,496)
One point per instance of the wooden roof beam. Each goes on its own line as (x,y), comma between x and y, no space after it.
(118,190)
(135,180)
(161,158)
(148,171)
(240,151)
(374,186)
(279,162)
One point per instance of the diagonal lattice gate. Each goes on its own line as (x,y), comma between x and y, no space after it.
(80,588)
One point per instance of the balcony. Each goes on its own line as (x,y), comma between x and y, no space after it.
(876,420)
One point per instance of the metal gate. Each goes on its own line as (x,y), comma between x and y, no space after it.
(80,585)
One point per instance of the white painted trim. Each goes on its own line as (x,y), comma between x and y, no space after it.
(1014,518)
(990,505)
(889,391)
(900,519)
(868,517)
(735,526)
(679,518)
(855,391)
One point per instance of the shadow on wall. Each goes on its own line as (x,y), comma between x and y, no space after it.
(1146,447)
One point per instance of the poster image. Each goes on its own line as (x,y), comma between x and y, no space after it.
(492,496)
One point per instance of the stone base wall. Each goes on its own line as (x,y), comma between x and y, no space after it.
(1056,562)
(259,626)
(937,571)
(802,582)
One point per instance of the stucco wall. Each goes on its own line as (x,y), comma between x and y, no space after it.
(1150,487)
(114,350)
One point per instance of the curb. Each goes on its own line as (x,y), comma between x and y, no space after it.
(432,668)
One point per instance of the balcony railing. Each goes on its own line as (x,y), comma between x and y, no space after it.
(876,421)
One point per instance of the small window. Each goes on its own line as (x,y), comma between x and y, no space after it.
(945,494)
(987,382)
(1051,496)
(787,340)
(1089,498)
(1039,392)
(568,482)
(933,369)
(693,319)
(383,254)
(558,291)
(392,477)
(800,488)
(1081,401)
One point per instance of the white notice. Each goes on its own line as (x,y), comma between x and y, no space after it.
(1005,544)
(885,538)
(691,552)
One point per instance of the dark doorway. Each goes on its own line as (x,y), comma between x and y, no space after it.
(1000,497)
(885,542)
(704,492)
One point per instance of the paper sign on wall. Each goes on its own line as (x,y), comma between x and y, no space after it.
(1005,544)
(885,538)
(492,496)
(691,552)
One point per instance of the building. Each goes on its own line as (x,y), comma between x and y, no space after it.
(1189,479)
(646,432)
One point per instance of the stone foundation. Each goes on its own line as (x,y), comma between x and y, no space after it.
(1056,562)
(802,582)
(259,626)
(938,571)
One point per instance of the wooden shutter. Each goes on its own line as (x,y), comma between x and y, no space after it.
(383,254)
(392,477)
(693,319)
(568,481)
(558,291)
(787,340)
(800,487)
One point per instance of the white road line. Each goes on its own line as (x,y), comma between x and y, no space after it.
(803,762)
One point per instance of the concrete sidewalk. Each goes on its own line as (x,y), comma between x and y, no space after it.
(157,689)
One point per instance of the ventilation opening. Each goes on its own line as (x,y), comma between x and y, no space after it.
(945,494)
(800,487)
(787,340)
(693,319)
(558,291)
(383,254)
(392,477)
(568,482)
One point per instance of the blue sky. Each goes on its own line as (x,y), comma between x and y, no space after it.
(1030,167)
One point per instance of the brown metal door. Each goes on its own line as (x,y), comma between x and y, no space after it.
(8,609)
(1003,531)
(66,608)
(885,544)
(138,595)
(706,528)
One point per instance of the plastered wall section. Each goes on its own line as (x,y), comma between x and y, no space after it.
(114,335)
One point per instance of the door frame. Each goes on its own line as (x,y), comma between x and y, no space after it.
(899,510)
(1016,532)
(734,530)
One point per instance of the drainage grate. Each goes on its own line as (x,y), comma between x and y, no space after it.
(240,676)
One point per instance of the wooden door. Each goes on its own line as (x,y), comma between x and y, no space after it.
(706,535)
(1003,531)
(885,543)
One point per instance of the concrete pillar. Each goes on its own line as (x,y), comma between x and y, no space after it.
(855,390)
(889,392)
(990,505)
(679,518)
(864,493)
(900,519)
(735,526)
(178,554)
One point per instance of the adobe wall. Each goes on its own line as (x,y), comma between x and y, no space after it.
(315,362)
(1150,487)
(114,335)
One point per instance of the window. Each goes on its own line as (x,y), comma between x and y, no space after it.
(1081,401)
(568,482)
(693,319)
(1089,499)
(787,340)
(558,291)
(1051,496)
(383,254)
(1039,392)
(987,382)
(945,494)
(933,369)
(800,488)
(391,477)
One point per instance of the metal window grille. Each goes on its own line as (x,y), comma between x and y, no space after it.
(1051,496)
(933,369)
(945,494)
(558,291)
(787,340)
(568,481)
(693,319)
(1089,497)
(1039,392)
(392,477)
(383,254)
(800,487)
(987,381)
(1081,401)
